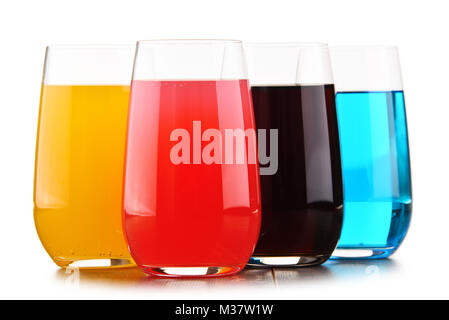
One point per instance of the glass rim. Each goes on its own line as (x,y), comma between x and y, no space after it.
(91,45)
(361,48)
(286,44)
(189,41)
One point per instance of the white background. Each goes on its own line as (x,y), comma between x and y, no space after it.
(419,28)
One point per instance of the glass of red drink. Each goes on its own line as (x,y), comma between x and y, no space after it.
(191,186)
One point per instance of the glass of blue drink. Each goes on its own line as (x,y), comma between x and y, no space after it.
(374,151)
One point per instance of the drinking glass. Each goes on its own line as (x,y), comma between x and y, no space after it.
(80,154)
(191,194)
(374,151)
(301,182)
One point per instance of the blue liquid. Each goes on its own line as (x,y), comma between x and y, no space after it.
(376,170)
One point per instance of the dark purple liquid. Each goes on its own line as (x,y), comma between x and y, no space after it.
(302,204)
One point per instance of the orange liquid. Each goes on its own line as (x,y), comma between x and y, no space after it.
(79,169)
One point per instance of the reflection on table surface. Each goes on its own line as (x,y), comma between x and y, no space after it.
(334,271)
(249,277)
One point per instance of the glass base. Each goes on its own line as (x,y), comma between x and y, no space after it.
(191,272)
(287,261)
(362,253)
(95,263)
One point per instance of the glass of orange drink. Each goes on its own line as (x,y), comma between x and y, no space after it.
(80,154)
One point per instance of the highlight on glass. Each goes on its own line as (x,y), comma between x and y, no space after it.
(80,154)
(301,184)
(191,193)
(374,151)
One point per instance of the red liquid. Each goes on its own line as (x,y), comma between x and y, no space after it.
(188,215)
